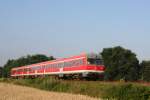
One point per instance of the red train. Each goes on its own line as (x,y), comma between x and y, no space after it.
(81,66)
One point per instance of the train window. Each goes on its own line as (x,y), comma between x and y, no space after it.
(36,68)
(25,70)
(95,61)
(49,66)
(13,71)
(19,70)
(56,65)
(73,63)
(65,64)
(61,65)
(52,65)
(99,61)
(81,62)
(28,69)
(45,67)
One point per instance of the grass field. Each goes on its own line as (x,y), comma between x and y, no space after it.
(96,89)
(15,92)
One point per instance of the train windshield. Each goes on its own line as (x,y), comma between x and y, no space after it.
(94,59)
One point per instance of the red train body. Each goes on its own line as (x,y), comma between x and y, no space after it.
(82,65)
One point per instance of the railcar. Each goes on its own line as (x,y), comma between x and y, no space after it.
(80,66)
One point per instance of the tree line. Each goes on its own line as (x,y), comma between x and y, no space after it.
(121,64)
(25,60)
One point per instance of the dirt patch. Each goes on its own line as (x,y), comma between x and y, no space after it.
(15,92)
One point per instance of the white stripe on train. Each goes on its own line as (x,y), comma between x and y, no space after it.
(65,72)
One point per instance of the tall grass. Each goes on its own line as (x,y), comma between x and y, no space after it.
(128,92)
(105,90)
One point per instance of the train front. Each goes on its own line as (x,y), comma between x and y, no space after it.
(95,66)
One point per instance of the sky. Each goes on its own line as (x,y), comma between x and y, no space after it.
(64,28)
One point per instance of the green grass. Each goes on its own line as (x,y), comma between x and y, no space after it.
(105,90)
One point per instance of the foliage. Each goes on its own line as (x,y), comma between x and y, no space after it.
(106,90)
(145,72)
(127,92)
(1,71)
(29,59)
(120,64)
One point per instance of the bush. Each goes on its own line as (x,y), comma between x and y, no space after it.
(128,92)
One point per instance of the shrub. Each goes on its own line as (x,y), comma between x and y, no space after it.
(128,92)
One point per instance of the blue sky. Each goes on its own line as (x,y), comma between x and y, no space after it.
(68,27)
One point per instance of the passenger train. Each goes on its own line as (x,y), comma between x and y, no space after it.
(76,67)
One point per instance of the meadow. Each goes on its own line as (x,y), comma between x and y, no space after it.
(97,89)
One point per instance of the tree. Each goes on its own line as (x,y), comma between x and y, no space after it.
(26,60)
(145,70)
(1,71)
(120,64)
